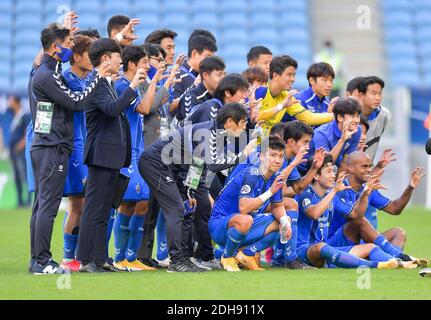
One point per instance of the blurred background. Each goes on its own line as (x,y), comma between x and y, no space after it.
(387,38)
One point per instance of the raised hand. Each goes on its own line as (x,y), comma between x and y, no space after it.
(332,103)
(346,134)
(70,21)
(172,78)
(339,184)
(416,176)
(318,158)
(128,32)
(138,79)
(161,68)
(180,59)
(104,69)
(299,158)
(387,157)
(290,99)
(278,183)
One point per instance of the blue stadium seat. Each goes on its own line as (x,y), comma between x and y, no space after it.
(207,6)
(51,6)
(53,18)
(6,6)
(263,19)
(5,21)
(85,6)
(297,51)
(293,19)
(176,6)
(28,21)
(148,6)
(406,79)
(6,53)
(5,67)
(427,66)
(424,34)
(148,20)
(27,37)
(398,19)
(205,20)
(92,20)
(234,19)
(396,5)
(419,5)
(265,36)
(143,32)
(26,52)
(23,68)
(115,7)
(235,35)
(28,6)
(20,84)
(228,6)
(5,84)
(262,6)
(399,34)
(425,50)
(427,79)
(236,65)
(5,37)
(423,18)
(234,51)
(295,6)
(403,64)
(295,35)
(395,49)
(176,20)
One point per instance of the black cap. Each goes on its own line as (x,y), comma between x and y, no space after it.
(428,146)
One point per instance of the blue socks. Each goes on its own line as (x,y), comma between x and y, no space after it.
(136,227)
(290,252)
(343,259)
(379,255)
(265,242)
(162,241)
(233,242)
(70,242)
(218,252)
(121,236)
(279,253)
(388,247)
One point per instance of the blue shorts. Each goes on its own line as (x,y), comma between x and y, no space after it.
(339,239)
(218,228)
(302,254)
(29,168)
(138,189)
(76,176)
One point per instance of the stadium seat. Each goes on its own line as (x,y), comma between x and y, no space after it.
(88,20)
(28,6)
(295,6)
(265,35)
(235,35)
(293,19)
(423,18)
(396,5)
(205,20)
(148,21)
(229,6)
(397,19)
(399,34)
(234,51)
(5,67)
(5,37)
(178,6)
(150,6)
(403,64)
(51,6)
(201,7)
(296,35)
(299,52)
(5,84)
(262,6)
(406,79)
(234,19)
(5,21)
(27,37)
(115,7)
(425,50)
(419,5)
(264,19)
(26,52)
(28,21)
(85,6)
(424,34)
(236,65)
(6,6)
(176,20)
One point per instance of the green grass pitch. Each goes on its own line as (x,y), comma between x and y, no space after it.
(17,283)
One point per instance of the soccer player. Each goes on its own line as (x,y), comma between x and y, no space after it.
(317,204)
(350,227)
(255,76)
(260,57)
(341,136)
(200,47)
(128,226)
(77,175)
(211,70)
(121,29)
(166,39)
(370,94)
(352,88)
(238,219)
(231,89)
(320,78)
(175,174)
(278,103)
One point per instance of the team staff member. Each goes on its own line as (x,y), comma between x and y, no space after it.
(52,106)
(107,150)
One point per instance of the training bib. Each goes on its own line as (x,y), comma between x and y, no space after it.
(195,173)
(44,112)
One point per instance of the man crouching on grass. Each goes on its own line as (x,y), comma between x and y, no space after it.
(238,219)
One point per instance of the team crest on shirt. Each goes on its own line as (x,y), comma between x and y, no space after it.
(138,188)
(306,202)
(346,146)
(331,206)
(245,189)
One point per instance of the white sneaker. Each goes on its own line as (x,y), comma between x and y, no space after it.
(164,263)
(199,264)
(213,264)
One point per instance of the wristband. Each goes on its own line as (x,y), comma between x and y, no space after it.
(279,107)
(284,220)
(265,196)
(119,37)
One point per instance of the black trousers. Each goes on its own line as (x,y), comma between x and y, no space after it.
(50,165)
(99,193)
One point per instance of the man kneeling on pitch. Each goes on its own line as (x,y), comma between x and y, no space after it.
(238,220)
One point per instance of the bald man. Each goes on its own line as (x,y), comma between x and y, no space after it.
(349,225)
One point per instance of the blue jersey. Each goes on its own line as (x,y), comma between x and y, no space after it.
(346,200)
(312,231)
(249,183)
(136,120)
(76,84)
(312,102)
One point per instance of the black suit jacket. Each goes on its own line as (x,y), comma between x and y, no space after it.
(108,142)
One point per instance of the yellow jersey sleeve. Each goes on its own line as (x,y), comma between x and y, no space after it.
(313,119)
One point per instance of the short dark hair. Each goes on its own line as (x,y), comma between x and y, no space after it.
(296,130)
(274,143)
(210,64)
(82,44)
(255,52)
(51,34)
(348,106)
(100,47)
(154,50)
(278,129)
(132,54)
(92,33)
(367,81)
(352,85)
(117,23)
(232,83)
(255,74)
(326,160)
(280,63)
(321,69)
(201,43)
(202,32)
(158,35)
(364,122)
(235,111)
